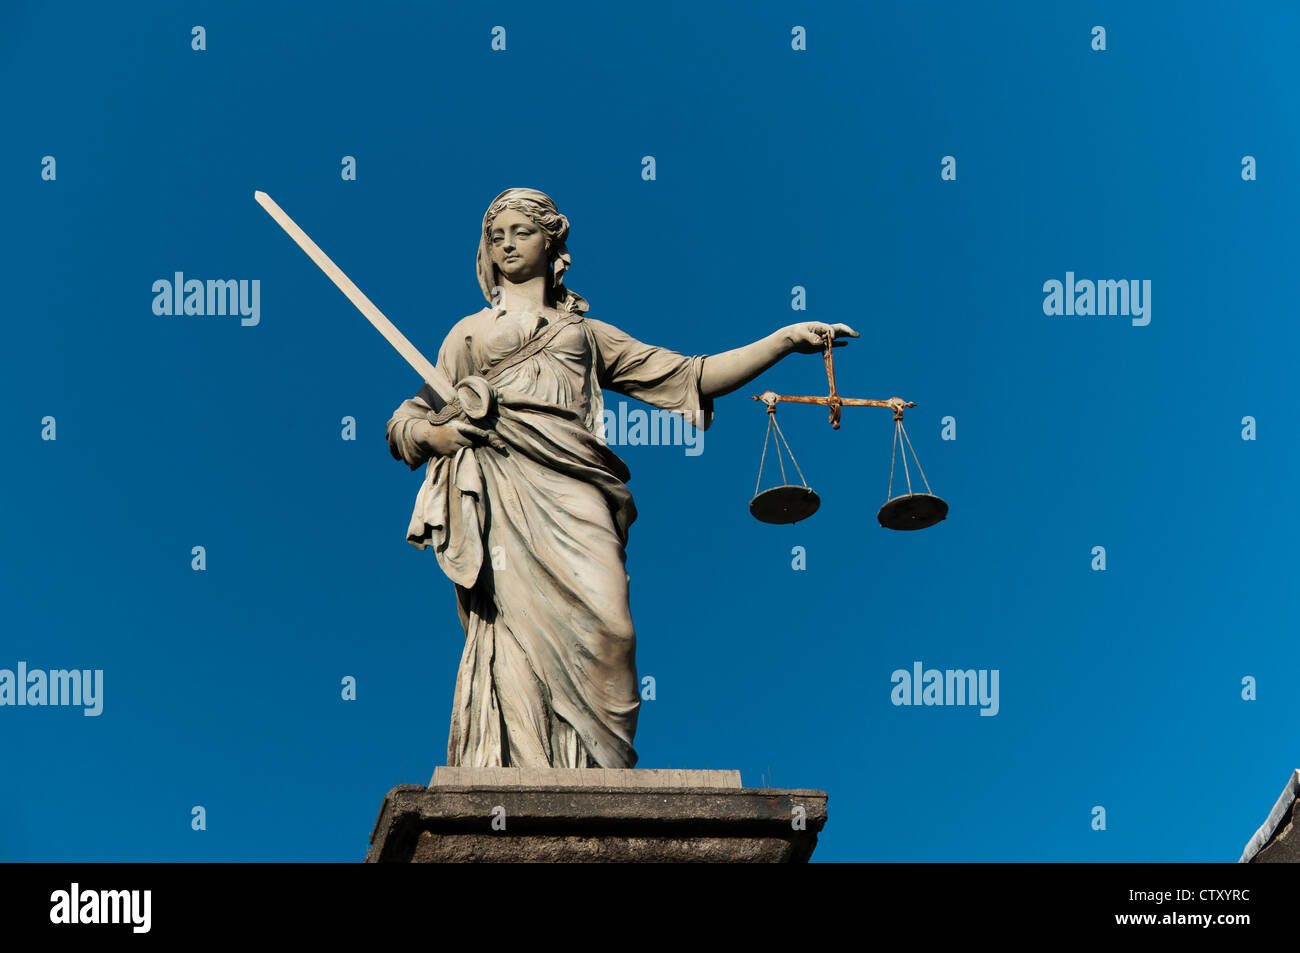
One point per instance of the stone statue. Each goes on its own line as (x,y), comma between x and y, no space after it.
(548,675)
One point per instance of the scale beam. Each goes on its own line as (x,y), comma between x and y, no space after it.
(835,402)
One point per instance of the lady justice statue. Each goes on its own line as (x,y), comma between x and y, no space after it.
(526,508)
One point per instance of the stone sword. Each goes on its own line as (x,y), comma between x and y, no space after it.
(431,375)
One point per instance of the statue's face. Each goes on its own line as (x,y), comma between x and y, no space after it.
(518,246)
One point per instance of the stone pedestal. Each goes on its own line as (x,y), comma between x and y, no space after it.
(594,814)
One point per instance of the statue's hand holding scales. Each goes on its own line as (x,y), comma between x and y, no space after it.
(810,338)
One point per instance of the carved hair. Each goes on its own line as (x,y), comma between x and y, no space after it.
(538,207)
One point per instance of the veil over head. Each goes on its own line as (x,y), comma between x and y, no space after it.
(539,207)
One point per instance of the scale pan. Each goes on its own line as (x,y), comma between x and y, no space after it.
(912,511)
(784,504)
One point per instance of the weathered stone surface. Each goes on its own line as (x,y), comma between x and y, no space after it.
(640,819)
(584,777)
(1278,839)
(1284,847)
(477,848)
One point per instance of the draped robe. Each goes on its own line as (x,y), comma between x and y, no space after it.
(533,538)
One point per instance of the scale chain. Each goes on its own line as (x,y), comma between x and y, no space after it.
(779,462)
(914,457)
(905,470)
(893,453)
(789,451)
(763,459)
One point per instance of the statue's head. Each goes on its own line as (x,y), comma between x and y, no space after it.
(524,237)
(519,246)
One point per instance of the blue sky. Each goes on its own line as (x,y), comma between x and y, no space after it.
(775,168)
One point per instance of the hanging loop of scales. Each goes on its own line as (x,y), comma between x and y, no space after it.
(789,503)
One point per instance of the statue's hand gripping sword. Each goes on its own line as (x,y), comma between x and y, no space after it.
(431,375)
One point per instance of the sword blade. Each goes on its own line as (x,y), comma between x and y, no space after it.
(428,372)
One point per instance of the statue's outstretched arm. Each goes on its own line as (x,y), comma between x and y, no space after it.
(725,372)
